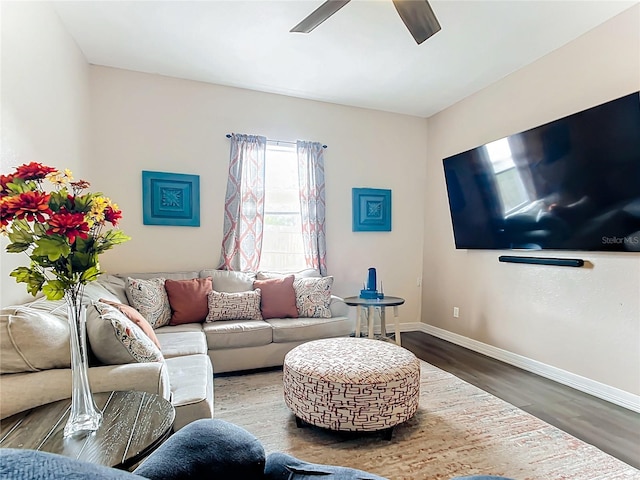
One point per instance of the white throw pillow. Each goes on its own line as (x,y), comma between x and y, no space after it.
(313,296)
(150,298)
(234,306)
(117,340)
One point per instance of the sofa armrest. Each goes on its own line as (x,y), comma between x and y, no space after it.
(22,391)
(338,307)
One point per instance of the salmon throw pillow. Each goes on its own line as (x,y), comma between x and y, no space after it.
(188,299)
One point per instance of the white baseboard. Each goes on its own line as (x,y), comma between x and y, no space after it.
(597,389)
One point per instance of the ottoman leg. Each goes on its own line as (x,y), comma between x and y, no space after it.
(300,423)
(387,433)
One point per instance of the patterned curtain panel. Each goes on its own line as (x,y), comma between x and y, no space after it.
(244,204)
(312,203)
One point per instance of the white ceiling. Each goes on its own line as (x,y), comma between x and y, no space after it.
(362,56)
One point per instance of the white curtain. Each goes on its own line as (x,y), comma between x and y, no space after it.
(312,203)
(244,204)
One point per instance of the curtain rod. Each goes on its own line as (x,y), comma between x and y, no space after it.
(228,135)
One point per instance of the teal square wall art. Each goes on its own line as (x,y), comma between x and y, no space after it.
(371,210)
(170,199)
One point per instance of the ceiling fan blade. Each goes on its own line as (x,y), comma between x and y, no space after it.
(319,15)
(419,18)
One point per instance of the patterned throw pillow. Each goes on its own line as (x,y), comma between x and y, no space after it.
(136,317)
(313,296)
(149,297)
(234,306)
(116,340)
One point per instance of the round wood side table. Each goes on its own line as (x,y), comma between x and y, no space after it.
(133,425)
(370,305)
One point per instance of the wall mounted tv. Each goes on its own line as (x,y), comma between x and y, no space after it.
(571,184)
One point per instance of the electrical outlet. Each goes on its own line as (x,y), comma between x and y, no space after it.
(456,312)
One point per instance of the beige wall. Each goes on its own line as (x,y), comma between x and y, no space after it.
(585,321)
(148,122)
(582,320)
(44,96)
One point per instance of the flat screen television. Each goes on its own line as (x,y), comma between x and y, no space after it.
(570,184)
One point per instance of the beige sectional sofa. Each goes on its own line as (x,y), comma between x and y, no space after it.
(34,349)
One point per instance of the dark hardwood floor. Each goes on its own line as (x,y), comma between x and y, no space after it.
(613,429)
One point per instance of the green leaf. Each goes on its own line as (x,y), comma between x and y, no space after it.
(52,247)
(59,199)
(17,247)
(114,237)
(90,275)
(84,245)
(81,261)
(18,185)
(39,229)
(21,274)
(83,202)
(54,290)
(33,278)
(20,235)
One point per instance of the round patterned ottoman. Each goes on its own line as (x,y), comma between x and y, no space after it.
(352,384)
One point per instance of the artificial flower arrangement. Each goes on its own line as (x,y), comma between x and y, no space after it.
(62,229)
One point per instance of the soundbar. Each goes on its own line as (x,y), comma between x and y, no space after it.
(561,262)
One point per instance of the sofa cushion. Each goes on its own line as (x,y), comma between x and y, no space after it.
(184,327)
(313,296)
(136,317)
(94,291)
(115,339)
(150,298)
(303,329)
(237,333)
(116,285)
(184,275)
(228,281)
(234,306)
(278,297)
(188,299)
(191,379)
(177,344)
(32,339)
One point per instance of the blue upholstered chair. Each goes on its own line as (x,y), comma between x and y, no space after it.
(204,449)
(211,449)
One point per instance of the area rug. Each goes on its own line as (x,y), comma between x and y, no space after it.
(458,430)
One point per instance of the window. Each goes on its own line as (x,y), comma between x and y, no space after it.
(510,185)
(282,247)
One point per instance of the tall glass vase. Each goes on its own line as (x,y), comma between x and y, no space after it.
(84,416)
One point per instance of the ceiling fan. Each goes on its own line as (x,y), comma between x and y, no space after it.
(417,15)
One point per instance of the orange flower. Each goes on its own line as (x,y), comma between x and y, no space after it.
(71,225)
(30,205)
(33,171)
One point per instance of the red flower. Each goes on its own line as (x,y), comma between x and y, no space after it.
(30,205)
(33,171)
(5,216)
(4,180)
(71,225)
(113,216)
